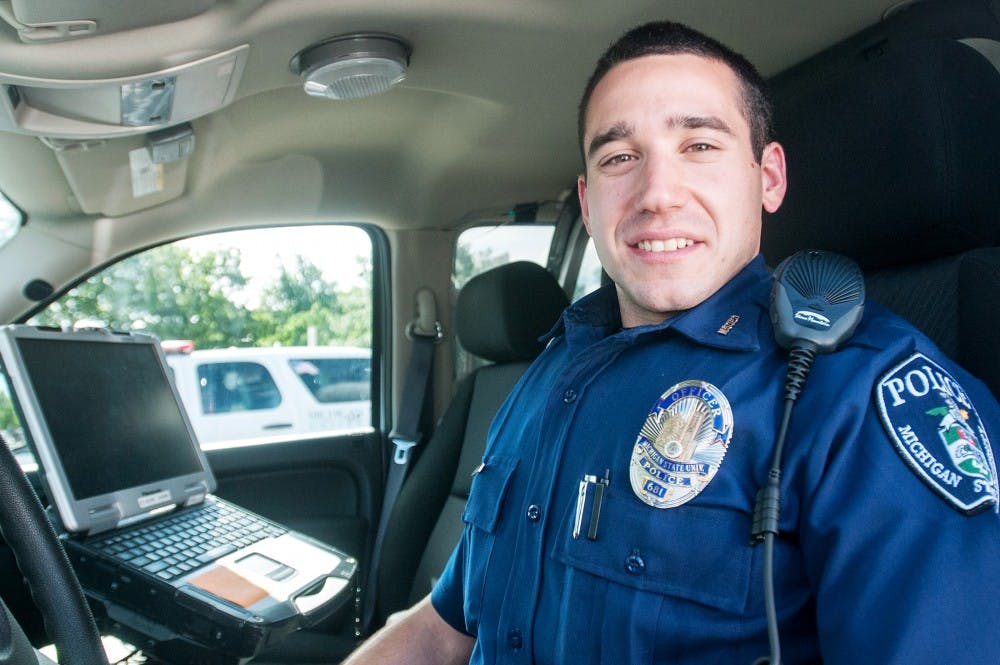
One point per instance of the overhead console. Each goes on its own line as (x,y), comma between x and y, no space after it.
(108,108)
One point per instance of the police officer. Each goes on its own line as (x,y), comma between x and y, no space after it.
(610,519)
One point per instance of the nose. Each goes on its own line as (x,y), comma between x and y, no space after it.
(662,185)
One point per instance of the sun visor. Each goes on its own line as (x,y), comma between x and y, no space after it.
(117,177)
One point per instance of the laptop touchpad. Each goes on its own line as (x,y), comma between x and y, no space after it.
(266,566)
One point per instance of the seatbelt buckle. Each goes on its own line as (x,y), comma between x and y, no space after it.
(403,446)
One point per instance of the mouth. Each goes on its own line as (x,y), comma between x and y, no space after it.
(668,245)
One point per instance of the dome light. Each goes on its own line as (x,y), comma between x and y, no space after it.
(352,66)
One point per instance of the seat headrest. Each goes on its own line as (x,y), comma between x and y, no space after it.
(891,160)
(501,313)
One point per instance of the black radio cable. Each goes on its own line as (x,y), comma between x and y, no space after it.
(816,303)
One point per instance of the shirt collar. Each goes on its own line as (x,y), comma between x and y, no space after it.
(729,319)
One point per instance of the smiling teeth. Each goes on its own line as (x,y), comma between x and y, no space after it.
(670,245)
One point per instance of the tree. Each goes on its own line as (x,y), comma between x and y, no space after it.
(8,418)
(297,290)
(175,293)
(167,291)
(301,300)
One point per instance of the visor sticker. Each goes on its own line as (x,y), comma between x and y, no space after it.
(936,430)
(681,445)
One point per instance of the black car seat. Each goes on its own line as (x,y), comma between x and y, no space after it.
(500,316)
(893,147)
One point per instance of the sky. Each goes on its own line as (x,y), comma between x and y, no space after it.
(333,249)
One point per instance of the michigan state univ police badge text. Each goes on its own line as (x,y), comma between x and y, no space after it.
(935,428)
(681,444)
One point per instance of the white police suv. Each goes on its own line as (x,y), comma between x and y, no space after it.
(242,393)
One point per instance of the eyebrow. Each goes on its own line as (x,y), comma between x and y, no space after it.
(622,130)
(616,132)
(701,122)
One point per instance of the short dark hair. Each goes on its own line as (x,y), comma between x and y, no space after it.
(668,38)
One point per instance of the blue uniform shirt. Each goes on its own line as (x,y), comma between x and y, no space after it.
(877,560)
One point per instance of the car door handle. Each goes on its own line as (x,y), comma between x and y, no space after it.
(277,426)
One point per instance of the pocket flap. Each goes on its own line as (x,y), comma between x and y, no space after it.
(489,486)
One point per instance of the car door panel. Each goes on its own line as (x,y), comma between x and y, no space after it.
(327,488)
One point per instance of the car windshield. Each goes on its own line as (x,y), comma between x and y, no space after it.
(11,220)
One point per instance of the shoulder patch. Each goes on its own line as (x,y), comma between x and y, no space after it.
(938,433)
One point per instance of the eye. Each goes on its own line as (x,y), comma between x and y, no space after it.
(700,147)
(617,159)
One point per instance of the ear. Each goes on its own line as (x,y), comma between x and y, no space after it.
(581,191)
(773,178)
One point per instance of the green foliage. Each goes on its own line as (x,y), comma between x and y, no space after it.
(175,293)
(301,300)
(8,419)
(10,425)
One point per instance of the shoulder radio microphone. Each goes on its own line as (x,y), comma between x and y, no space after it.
(817,301)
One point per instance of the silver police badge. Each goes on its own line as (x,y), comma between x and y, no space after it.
(681,444)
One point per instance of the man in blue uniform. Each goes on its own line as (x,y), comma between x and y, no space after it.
(610,520)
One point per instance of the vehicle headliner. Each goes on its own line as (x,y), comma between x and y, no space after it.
(485,118)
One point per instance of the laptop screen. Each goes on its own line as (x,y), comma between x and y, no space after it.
(105,422)
(110,412)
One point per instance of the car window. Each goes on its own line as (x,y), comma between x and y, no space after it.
(481,248)
(334,380)
(255,323)
(237,386)
(589,277)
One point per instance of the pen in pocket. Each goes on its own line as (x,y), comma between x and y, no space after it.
(599,484)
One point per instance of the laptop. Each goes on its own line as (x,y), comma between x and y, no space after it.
(160,557)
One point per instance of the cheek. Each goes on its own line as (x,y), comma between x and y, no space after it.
(602,206)
(610,193)
(734,202)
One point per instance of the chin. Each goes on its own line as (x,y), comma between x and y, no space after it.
(673,301)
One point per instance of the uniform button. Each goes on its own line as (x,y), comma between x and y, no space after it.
(514,639)
(569,396)
(534,513)
(634,564)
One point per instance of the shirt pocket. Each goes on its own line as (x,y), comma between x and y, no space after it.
(483,515)
(694,553)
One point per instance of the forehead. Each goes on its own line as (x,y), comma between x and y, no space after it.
(681,83)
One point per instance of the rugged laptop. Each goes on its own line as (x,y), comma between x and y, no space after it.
(164,562)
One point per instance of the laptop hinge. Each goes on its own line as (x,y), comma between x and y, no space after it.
(195,493)
(103,518)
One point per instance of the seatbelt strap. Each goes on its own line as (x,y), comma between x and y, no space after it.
(424,333)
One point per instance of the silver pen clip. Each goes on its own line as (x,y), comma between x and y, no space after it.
(581,503)
(581,499)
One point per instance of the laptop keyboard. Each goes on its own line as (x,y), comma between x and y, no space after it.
(178,544)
